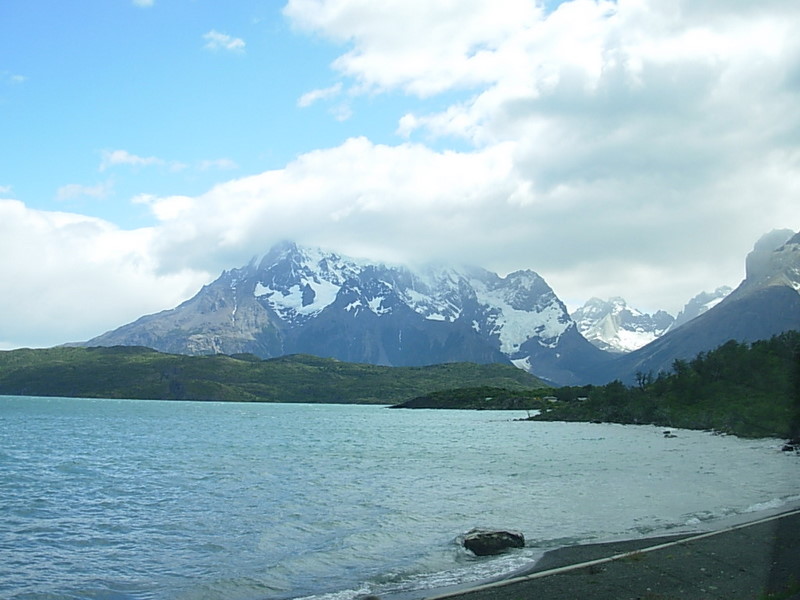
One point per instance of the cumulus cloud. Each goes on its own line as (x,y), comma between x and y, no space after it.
(360,197)
(634,148)
(221,41)
(409,203)
(422,47)
(66,263)
(617,148)
(629,125)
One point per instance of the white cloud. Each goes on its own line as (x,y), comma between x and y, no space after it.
(221,41)
(358,195)
(313,96)
(410,203)
(113,158)
(73,277)
(342,112)
(225,164)
(628,122)
(422,47)
(116,158)
(12,78)
(143,3)
(74,190)
(635,148)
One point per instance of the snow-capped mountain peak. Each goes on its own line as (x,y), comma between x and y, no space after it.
(612,326)
(299,299)
(298,283)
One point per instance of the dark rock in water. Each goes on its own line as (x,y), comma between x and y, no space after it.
(792,445)
(484,542)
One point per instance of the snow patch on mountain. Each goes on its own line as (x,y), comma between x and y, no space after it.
(522,363)
(514,325)
(521,307)
(306,298)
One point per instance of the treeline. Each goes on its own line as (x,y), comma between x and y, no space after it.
(478,398)
(750,390)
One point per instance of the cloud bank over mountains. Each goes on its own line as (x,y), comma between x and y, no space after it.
(634,148)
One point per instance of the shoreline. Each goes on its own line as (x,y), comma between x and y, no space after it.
(749,554)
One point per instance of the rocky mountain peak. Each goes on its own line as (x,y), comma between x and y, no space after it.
(774,261)
(757,263)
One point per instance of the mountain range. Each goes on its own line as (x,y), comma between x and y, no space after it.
(304,300)
(613,326)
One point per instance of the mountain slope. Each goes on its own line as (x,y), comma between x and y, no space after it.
(303,300)
(766,303)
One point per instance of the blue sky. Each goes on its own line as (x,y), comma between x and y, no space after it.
(635,148)
(200,90)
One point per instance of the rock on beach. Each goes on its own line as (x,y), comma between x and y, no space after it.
(485,542)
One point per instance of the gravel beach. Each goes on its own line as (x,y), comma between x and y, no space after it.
(758,559)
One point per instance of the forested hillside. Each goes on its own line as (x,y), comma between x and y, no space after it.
(746,389)
(132,372)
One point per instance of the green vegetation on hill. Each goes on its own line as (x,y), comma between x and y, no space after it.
(134,372)
(751,390)
(479,398)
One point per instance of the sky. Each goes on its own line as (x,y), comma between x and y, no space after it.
(636,148)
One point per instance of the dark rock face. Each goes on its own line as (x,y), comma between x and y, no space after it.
(486,542)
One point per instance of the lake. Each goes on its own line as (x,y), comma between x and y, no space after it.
(128,499)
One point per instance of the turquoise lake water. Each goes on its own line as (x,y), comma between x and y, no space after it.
(123,499)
